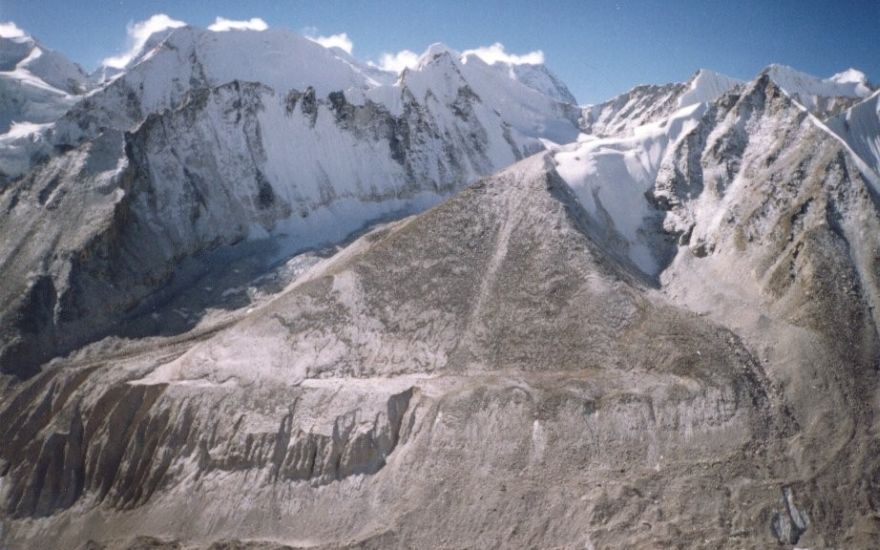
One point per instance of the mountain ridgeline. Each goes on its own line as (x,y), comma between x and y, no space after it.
(258,294)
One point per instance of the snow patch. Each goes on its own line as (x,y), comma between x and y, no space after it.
(610,177)
(20,130)
(859,127)
(865,138)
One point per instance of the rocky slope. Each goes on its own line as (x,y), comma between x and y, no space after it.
(754,213)
(376,371)
(662,334)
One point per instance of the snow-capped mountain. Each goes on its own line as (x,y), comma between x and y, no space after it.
(209,138)
(660,329)
(176,61)
(25,59)
(535,76)
(671,160)
(648,103)
(37,85)
(705,87)
(823,97)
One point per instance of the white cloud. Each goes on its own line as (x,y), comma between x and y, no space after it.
(397,62)
(11,30)
(404,59)
(138,34)
(495,53)
(221,24)
(340,40)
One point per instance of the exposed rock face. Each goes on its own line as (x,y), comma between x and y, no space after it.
(627,111)
(134,439)
(647,104)
(773,224)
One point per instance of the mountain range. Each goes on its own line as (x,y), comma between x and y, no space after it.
(259,294)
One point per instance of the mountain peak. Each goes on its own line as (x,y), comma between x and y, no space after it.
(706,85)
(811,91)
(25,60)
(434,51)
(144,35)
(539,77)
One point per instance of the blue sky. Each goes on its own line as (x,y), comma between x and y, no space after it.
(599,48)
